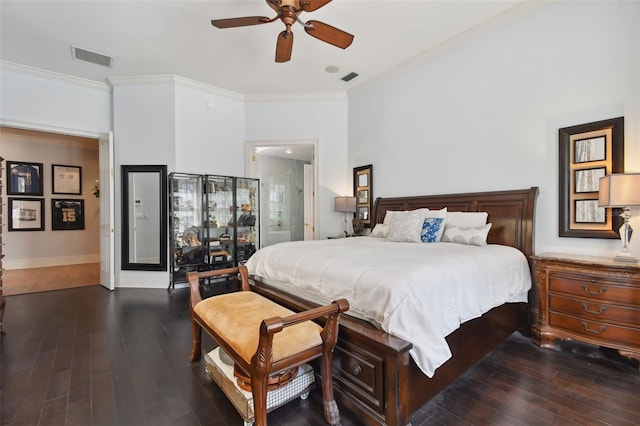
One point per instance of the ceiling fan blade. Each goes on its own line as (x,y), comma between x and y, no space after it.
(284,47)
(311,5)
(239,22)
(328,34)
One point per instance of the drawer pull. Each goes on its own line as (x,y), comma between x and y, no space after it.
(357,370)
(589,311)
(589,291)
(586,328)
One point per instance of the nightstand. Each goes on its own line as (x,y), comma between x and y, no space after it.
(587,298)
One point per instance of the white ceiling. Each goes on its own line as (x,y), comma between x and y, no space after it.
(176,37)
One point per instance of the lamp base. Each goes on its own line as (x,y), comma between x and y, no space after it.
(625,235)
(625,257)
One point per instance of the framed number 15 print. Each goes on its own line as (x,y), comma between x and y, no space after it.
(67,215)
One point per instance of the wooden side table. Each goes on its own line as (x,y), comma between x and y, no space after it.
(590,299)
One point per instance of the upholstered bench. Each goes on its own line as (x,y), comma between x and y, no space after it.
(266,341)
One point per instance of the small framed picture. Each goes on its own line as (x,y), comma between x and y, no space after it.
(67,215)
(66,179)
(588,180)
(24,178)
(588,211)
(26,214)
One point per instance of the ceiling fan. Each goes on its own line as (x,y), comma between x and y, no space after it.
(288,11)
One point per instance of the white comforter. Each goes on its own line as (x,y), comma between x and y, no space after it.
(417,291)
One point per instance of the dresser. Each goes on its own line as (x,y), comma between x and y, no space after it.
(590,299)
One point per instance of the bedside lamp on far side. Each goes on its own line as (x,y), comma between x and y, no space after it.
(345,205)
(621,190)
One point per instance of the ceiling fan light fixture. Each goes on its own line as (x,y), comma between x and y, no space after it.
(288,12)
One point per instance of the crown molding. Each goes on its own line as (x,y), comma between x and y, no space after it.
(176,80)
(292,97)
(51,75)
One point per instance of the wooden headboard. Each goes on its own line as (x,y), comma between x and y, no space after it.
(511,213)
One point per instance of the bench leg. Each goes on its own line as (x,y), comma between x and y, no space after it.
(331,412)
(196,350)
(259,392)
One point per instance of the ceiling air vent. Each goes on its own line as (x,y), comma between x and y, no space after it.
(350,76)
(80,54)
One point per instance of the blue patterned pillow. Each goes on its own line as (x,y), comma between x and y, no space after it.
(430,228)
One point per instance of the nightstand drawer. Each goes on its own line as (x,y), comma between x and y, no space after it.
(595,311)
(593,288)
(603,332)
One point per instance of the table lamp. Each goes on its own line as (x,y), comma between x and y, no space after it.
(345,205)
(621,190)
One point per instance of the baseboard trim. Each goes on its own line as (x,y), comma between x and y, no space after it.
(142,279)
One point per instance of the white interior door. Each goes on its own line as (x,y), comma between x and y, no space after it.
(309,194)
(107,249)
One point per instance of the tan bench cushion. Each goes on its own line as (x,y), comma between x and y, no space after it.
(236,318)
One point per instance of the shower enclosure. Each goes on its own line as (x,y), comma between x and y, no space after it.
(284,199)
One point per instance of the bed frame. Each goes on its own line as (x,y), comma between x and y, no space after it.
(374,376)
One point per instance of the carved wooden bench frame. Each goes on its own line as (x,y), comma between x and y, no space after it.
(262,365)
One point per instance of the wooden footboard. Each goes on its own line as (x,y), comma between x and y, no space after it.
(373,374)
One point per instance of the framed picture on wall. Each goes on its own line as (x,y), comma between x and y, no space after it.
(66,179)
(24,178)
(589,152)
(26,214)
(363,191)
(67,215)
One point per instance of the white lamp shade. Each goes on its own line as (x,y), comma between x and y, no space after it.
(345,204)
(619,190)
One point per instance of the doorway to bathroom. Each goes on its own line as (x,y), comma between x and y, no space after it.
(287,173)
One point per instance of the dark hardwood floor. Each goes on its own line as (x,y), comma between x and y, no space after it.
(87,356)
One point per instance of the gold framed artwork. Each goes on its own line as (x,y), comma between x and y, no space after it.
(588,152)
(363,190)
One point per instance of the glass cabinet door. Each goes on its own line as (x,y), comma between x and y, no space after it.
(247,214)
(185,221)
(219,221)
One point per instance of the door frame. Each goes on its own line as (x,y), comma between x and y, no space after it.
(250,172)
(104,257)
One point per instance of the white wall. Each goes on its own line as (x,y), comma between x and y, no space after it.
(486,116)
(322,120)
(52,101)
(190,127)
(209,131)
(144,134)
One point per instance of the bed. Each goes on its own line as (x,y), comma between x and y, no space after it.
(375,374)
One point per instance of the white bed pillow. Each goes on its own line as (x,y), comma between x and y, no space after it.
(467,219)
(406,226)
(380,230)
(389,216)
(474,236)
